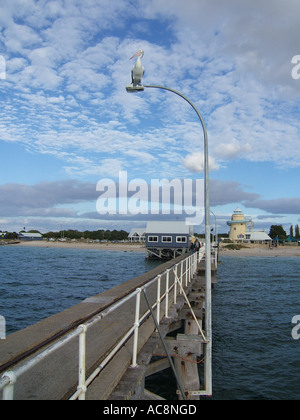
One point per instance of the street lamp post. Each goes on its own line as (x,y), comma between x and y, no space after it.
(137,87)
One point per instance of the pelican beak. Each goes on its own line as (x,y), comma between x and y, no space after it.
(139,53)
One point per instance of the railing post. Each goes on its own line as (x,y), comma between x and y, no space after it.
(186,271)
(158,298)
(195,262)
(82,362)
(175,284)
(8,391)
(136,328)
(181,272)
(167,294)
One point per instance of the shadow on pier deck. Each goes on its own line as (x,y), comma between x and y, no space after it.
(103,348)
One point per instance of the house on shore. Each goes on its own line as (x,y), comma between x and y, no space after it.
(30,236)
(257,237)
(137,235)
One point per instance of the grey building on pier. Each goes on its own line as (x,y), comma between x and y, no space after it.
(167,240)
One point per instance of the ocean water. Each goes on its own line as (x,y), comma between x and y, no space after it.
(36,283)
(254,354)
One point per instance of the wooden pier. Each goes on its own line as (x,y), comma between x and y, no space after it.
(105,347)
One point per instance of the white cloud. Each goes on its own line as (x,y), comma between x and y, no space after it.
(16,64)
(108,167)
(68,65)
(257,35)
(20,37)
(232,150)
(195,163)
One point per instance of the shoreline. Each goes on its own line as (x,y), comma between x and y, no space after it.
(250,251)
(125,247)
(262,251)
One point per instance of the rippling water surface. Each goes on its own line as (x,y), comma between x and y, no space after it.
(254,354)
(38,282)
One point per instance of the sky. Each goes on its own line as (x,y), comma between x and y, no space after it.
(66,120)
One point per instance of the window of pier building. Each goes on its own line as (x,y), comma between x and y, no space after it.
(181,239)
(167,239)
(153,239)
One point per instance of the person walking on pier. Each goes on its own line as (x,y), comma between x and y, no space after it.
(197,245)
(192,247)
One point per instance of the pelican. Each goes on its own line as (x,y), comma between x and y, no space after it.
(138,70)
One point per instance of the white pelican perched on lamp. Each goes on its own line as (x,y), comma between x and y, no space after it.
(138,70)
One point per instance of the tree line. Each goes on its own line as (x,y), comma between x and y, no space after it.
(108,235)
(277,231)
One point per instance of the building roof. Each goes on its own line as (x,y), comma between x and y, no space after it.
(238,222)
(30,235)
(290,239)
(169,227)
(137,232)
(258,236)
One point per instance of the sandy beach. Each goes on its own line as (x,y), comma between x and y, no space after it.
(125,247)
(262,251)
(249,251)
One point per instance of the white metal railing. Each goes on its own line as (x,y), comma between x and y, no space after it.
(181,279)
